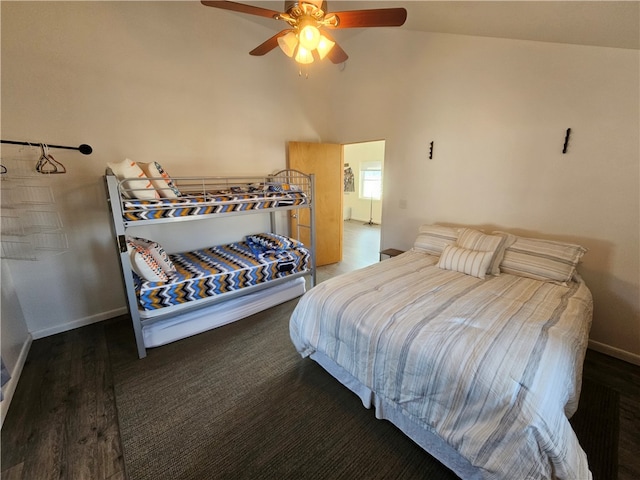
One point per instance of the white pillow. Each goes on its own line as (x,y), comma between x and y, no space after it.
(544,260)
(157,253)
(142,189)
(470,262)
(160,180)
(476,240)
(433,238)
(144,264)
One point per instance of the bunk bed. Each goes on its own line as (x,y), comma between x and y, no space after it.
(171,296)
(471,344)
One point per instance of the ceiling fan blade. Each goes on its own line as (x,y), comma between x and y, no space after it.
(268,45)
(242,8)
(336,54)
(380,17)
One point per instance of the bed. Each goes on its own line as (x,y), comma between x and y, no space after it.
(146,194)
(172,296)
(471,344)
(212,274)
(214,200)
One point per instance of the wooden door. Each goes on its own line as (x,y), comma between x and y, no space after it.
(325,161)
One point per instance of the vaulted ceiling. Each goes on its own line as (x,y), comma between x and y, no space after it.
(596,23)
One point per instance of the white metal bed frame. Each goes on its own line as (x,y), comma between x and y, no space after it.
(116,198)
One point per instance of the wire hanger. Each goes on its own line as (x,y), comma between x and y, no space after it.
(47,164)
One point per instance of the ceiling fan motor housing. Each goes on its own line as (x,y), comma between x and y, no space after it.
(288,5)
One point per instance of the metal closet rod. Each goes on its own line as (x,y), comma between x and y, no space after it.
(84,148)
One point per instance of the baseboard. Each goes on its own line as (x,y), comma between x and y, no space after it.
(615,352)
(81,322)
(9,389)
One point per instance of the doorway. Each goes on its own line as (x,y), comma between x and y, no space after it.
(348,178)
(363,180)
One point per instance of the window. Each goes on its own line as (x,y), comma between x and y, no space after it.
(371,180)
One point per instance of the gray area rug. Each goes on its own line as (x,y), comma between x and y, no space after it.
(239,402)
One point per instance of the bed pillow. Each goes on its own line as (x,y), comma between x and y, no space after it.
(283,187)
(144,264)
(463,260)
(157,253)
(475,240)
(433,238)
(129,169)
(160,180)
(544,260)
(272,241)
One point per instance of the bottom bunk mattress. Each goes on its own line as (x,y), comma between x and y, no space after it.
(215,271)
(184,324)
(490,369)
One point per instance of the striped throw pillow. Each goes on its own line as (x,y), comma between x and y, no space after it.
(433,238)
(463,260)
(476,240)
(544,260)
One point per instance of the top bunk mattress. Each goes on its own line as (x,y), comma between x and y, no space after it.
(214,271)
(210,203)
(149,198)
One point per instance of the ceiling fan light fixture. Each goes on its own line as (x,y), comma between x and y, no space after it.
(309,35)
(288,43)
(324,46)
(303,56)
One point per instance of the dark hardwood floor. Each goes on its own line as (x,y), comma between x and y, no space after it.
(63,423)
(624,378)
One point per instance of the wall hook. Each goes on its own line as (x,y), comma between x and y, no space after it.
(430,150)
(566,140)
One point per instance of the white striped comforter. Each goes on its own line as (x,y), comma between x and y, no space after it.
(492,366)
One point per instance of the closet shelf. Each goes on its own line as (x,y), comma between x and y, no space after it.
(30,224)
(35,246)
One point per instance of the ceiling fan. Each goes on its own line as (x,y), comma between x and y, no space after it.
(307,39)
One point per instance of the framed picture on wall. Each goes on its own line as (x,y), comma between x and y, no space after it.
(349,179)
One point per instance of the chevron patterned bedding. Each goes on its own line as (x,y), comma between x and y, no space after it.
(189,205)
(218,270)
(492,367)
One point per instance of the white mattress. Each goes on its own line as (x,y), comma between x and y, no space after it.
(190,323)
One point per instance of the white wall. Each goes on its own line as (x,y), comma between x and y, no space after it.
(497,111)
(363,209)
(14,339)
(172,82)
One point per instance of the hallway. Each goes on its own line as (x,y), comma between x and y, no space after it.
(361,247)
